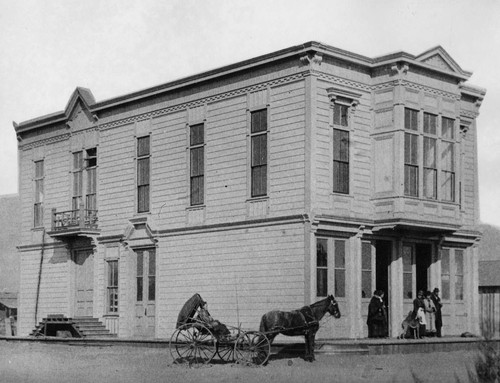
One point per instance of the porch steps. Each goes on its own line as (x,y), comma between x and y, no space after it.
(82,327)
(90,327)
(346,348)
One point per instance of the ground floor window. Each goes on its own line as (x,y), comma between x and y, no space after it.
(112,288)
(330,267)
(452,274)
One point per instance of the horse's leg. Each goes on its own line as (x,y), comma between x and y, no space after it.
(312,344)
(309,357)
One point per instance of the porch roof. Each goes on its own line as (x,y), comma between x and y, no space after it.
(9,300)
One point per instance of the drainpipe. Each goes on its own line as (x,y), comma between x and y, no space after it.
(39,277)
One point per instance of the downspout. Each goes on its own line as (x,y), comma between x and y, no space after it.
(39,277)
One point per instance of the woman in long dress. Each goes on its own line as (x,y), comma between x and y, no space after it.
(377,316)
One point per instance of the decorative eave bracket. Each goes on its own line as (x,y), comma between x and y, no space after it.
(342,96)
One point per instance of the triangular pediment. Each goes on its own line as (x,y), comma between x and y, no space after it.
(78,111)
(438,58)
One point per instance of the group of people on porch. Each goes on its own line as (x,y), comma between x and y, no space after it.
(426,315)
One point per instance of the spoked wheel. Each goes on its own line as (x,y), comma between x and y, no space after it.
(225,345)
(192,344)
(253,348)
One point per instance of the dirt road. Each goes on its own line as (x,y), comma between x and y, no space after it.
(44,363)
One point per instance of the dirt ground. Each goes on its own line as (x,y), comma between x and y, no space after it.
(42,362)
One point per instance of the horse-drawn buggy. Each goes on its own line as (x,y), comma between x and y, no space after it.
(198,338)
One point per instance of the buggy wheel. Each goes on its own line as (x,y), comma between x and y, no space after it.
(192,344)
(225,351)
(252,347)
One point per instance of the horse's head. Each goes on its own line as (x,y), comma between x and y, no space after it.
(333,307)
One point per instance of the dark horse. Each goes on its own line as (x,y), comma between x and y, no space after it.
(304,321)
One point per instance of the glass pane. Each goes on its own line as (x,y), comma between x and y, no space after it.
(259,150)
(151,289)
(321,252)
(339,254)
(447,128)
(340,114)
(140,263)
(340,145)
(447,156)
(407,286)
(259,121)
(445,286)
(459,287)
(322,282)
(143,146)
(39,169)
(196,134)
(407,258)
(139,289)
(430,183)
(366,256)
(340,177)
(197,184)
(411,119)
(430,123)
(143,198)
(259,181)
(411,180)
(429,152)
(143,171)
(448,185)
(445,261)
(77,161)
(340,283)
(366,284)
(411,149)
(152,262)
(197,161)
(459,262)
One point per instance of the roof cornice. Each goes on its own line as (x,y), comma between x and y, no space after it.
(312,47)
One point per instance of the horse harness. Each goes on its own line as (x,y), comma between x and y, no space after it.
(309,318)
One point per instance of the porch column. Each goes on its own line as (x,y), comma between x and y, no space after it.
(396,286)
(353,290)
(471,289)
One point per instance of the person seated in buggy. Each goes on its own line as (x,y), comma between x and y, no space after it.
(219,329)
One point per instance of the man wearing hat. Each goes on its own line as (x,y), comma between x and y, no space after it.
(437,302)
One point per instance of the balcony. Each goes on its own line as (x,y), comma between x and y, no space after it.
(74,223)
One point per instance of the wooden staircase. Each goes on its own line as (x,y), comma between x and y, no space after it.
(81,327)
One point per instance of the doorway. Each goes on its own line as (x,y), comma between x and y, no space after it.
(423,261)
(382,263)
(84,283)
(145,293)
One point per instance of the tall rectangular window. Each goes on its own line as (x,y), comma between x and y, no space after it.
(447,159)
(151,275)
(321,267)
(91,169)
(77,180)
(411,165)
(459,274)
(336,263)
(39,193)
(339,268)
(407,271)
(366,269)
(258,133)
(430,168)
(445,274)
(139,276)
(112,287)
(340,161)
(197,153)
(143,173)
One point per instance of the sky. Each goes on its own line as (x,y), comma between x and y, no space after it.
(114,47)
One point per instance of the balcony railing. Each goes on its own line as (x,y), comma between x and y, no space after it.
(83,219)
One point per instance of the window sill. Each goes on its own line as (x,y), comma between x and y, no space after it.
(336,194)
(256,199)
(38,228)
(111,315)
(196,207)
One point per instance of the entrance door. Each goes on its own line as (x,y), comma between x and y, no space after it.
(382,263)
(423,261)
(84,281)
(145,293)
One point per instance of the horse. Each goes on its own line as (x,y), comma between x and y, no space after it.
(304,321)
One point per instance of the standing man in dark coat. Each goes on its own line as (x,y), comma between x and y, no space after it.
(377,316)
(437,302)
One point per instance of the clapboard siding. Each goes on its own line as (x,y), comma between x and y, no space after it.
(233,269)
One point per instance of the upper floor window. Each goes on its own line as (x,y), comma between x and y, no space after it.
(340,161)
(340,114)
(39,193)
(258,134)
(91,169)
(197,153)
(143,173)
(84,179)
(429,154)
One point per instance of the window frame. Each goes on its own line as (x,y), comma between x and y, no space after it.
(333,269)
(197,148)
(112,286)
(143,182)
(259,166)
(454,274)
(39,191)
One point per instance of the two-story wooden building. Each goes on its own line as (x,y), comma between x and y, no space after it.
(265,184)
